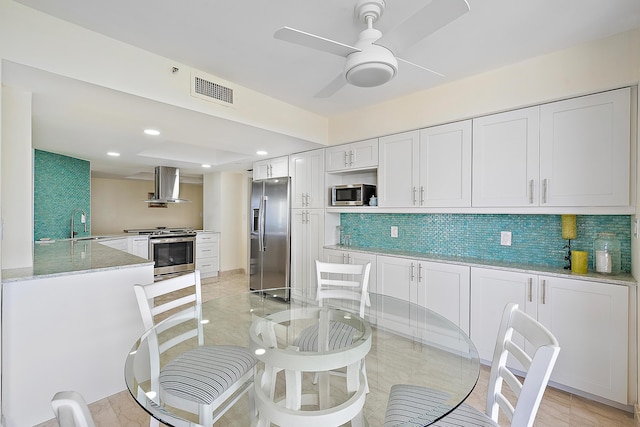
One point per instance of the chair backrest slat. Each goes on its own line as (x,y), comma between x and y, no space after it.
(353,283)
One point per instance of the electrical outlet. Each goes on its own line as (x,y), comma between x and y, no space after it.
(505,238)
(394,231)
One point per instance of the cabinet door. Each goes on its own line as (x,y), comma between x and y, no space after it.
(139,246)
(444,288)
(585,150)
(307,237)
(364,154)
(337,158)
(261,170)
(399,170)
(279,167)
(491,291)
(505,159)
(396,277)
(315,241)
(317,196)
(445,165)
(298,165)
(590,321)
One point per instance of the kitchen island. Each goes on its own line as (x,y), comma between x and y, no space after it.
(67,324)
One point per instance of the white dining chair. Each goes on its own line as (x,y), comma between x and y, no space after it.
(71,410)
(204,380)
(408,403)
(344,286)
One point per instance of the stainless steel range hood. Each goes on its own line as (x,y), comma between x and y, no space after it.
(167,180)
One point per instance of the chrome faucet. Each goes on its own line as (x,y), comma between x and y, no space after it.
(83,219)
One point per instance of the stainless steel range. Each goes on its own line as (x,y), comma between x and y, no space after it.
(171,249)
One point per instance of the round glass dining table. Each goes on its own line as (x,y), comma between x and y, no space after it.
(409,344)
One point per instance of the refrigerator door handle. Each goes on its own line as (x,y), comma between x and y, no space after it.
(261,224)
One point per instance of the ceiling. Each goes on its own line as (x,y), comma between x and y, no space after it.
(234,41)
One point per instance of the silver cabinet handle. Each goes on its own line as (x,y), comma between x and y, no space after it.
(349,259)
(343,258)
(531,192)
(413,276)
(414,194)
(308,198)
(544,291)
(530,281)
(421,195)
(419,273)
(544,191)
(346,158)
(352,158)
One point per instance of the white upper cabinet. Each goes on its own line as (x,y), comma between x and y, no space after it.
(506,159)
(357,155)
(307,179)
(271,168)
(585,150)
(398,172)
(445,165)
(572,153)
(426,168)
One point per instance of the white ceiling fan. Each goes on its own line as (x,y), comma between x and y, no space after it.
(373,61)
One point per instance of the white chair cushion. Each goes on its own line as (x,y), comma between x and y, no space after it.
(203,374)
(340,336)
(408,406)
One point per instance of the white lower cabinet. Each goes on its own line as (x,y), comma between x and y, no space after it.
(589,319)
(443,288)
(358,258)
(307,239)
(139,246)
(208,253)
(120,243)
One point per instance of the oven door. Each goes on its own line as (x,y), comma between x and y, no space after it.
(172,254)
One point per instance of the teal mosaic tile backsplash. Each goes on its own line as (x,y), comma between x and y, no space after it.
(61,185)
(536,239)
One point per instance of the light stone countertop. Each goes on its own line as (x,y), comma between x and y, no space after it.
(63,257)
(619,279)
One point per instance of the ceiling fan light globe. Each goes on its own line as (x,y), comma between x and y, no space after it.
(370,74)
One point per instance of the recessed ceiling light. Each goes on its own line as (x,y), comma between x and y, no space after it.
(206,166)
(152,132)
(261,153)
(113,153)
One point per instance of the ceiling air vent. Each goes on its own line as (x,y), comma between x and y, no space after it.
(211,91)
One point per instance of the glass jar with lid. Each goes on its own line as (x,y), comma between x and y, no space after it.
(607,254)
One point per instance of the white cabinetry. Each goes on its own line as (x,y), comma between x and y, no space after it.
(207,253)
(567,153)
(585,150)
(589,319)
(427,168)
(271,168)
(307,179)
(139,246)
(441,287)
(506,159)
(357,258)
(307,239)
(357,155)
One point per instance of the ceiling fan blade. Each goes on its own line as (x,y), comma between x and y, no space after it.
(336,84)
(419,66)
(302,38)
(424,22)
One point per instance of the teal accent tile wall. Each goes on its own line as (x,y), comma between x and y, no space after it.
(61,185)
(536,239)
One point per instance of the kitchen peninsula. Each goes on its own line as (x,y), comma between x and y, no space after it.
(67,324)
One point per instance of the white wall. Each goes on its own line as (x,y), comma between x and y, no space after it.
(225,210)
(17,179)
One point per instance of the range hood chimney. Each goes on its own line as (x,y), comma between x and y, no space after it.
(167,180)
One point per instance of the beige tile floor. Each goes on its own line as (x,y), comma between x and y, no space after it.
(558,408)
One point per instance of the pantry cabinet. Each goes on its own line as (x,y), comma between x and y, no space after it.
(307,239)
(271,168)
(443,288)
(589,319)
(571,153)
(307,179)
(354,156)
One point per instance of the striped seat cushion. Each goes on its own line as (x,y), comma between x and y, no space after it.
(340,336)
(418,406)
(203,374)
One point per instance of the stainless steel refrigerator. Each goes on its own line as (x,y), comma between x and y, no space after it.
(270,253)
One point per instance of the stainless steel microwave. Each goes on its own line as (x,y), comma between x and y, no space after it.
(352,195)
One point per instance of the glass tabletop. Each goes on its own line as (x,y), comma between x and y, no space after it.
(409,344)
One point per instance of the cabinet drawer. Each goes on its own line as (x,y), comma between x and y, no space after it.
(206,250)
